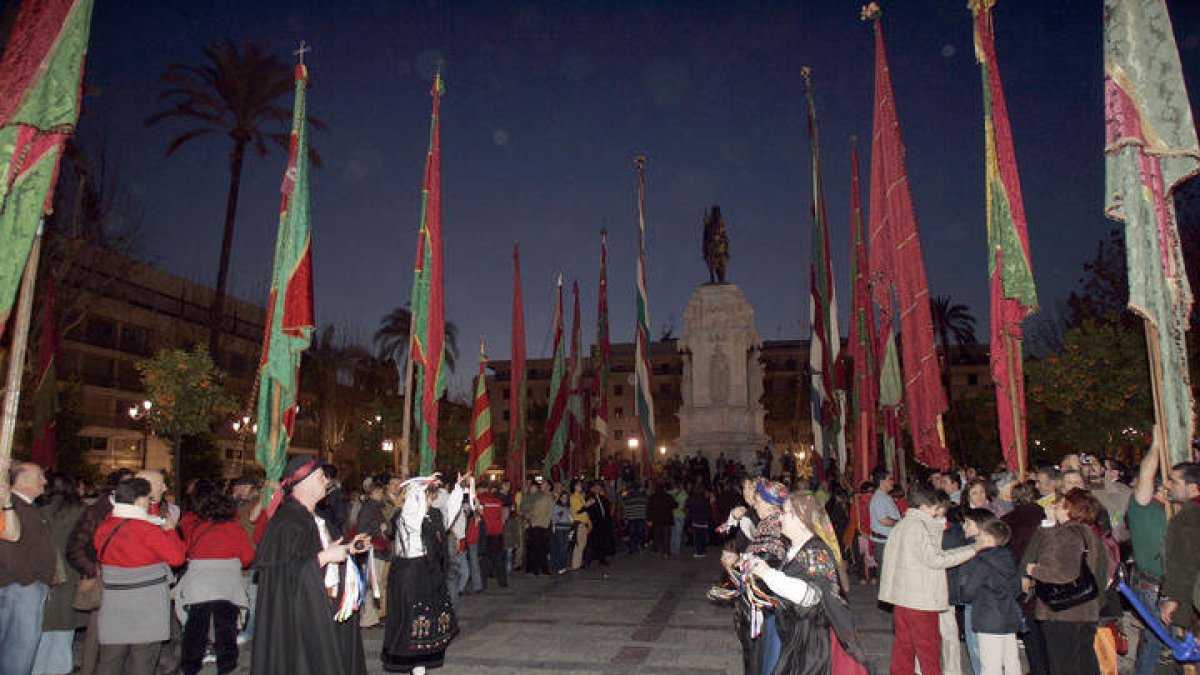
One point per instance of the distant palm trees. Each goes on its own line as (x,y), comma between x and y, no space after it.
(243,94)
(952,320)
(394,332)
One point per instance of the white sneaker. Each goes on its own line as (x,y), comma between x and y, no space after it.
(210,657)
(242,639)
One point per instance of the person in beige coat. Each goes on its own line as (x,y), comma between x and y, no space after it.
(913,580)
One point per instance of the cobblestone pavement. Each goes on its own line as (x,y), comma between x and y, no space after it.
(642,614)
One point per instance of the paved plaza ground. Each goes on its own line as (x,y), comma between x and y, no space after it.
(642,614)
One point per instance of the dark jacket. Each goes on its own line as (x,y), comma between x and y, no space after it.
(1181,564)
(1058,561)
(1024,521)
(660,509)
(953,538)
(990,582)
(32,557)
(81,550)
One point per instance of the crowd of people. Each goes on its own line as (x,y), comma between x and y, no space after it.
(962,559)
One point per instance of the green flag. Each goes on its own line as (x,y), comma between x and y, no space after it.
(289,326)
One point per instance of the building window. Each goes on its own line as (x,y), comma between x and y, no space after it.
(506,417)
(618,390)
(505,394)
(618,413)
(238,363)
(618,435)
(135,340)
(101,333)
(973,379)
(231,453)
(790,364)
(664,389)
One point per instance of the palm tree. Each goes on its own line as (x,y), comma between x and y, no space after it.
(323,369)
(241,93)
(394,332)
(951,320)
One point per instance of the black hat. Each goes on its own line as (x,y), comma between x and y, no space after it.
(300,467)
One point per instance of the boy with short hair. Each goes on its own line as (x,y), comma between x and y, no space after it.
(991,583)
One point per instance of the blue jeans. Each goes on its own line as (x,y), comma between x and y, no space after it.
(252,592)
(1149,646)
(21,610)
(560,538)
(456,574)
(972,640)
(772,645)
(676,536)
(476,572)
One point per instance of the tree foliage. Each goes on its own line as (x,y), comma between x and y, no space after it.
(1099,385)
(186,390)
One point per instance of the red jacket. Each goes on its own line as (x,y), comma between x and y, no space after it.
(493,514)
(206,540)
(138,543)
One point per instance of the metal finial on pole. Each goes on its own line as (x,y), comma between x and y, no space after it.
(304,49)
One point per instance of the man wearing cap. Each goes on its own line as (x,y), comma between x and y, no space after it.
(298,566)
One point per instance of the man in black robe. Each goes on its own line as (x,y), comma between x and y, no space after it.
(295,632)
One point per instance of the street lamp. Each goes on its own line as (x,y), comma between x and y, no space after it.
(662,450)
(244,429)
(387,445)
(141,414)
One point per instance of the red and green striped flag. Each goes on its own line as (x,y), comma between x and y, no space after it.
(603,347)
(641,344)
(862,336)
(1013,294)
(40,79)
(289,325)
(898,267)
(428,347)
(828,404)
(515,470)
(556,421)
(575,434)
(1150,150)
(482,446)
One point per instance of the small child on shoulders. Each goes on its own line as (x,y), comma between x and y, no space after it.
(991,584)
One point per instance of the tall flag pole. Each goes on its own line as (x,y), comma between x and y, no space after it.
(1014,296)
(1150,149)
(516,382)
(45,397)
(604,347)
(40,80)
(641,346)
(289,326)
(897,266)
(428,299)
(828,405)
(865,385)
(482,445)
(578,453)
(556,422)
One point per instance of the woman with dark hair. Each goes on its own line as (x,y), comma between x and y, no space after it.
(212,592)
(61,507)
(1070,633)
(980,494)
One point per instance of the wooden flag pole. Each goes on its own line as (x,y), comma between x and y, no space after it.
(1160,406)
(1010,348)
(16,358)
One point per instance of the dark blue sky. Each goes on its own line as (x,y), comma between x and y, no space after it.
(548,102)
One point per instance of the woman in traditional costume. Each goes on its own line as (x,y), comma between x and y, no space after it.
(813,621)
(420,620)
(306,588)
(755,624)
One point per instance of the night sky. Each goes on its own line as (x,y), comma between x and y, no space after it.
(548,102)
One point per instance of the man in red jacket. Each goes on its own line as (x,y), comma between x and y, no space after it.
(494,514)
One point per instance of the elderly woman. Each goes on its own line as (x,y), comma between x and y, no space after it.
(136,557)
(421,621)
(1072,542)
(814,624)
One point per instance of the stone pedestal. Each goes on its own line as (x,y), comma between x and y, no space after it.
(722,376)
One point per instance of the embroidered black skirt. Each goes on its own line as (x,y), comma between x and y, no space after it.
(420,619)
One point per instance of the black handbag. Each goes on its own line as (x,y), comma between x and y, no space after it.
(1081,589)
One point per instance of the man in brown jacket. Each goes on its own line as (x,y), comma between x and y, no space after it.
(27,568)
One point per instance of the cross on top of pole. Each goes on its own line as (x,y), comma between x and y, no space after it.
(304,48)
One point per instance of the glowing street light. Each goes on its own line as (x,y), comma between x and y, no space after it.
(662,450)
(388,445)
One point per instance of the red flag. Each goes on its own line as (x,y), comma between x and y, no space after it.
(898,267)
(45,397)
(865,381)
(516,383)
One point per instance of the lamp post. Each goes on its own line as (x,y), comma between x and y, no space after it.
(634,443)
(141,415)
(244,429)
